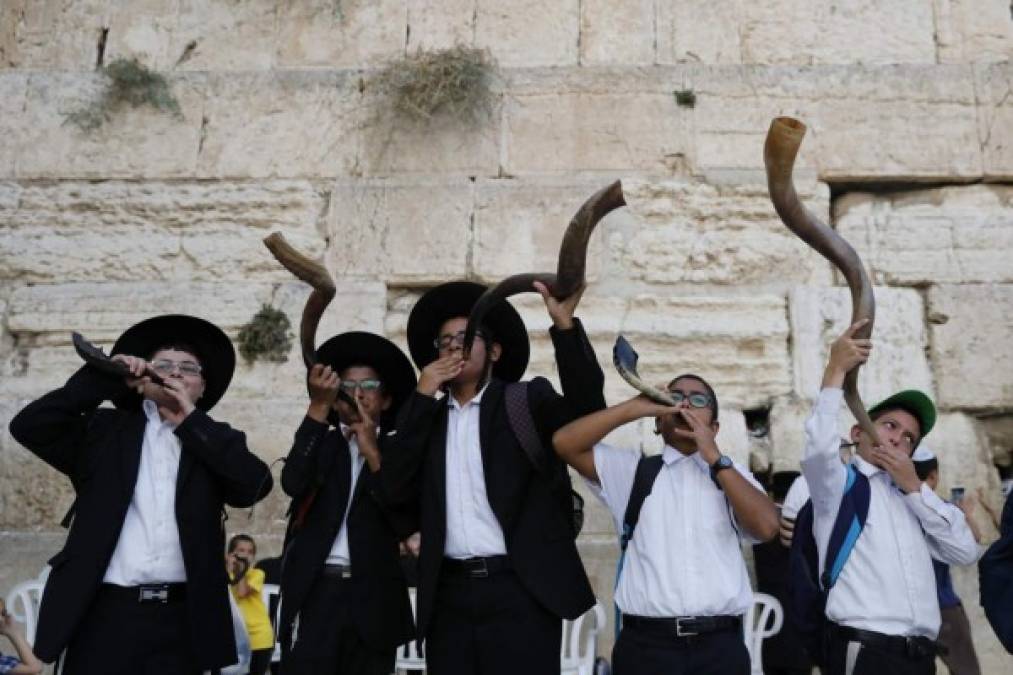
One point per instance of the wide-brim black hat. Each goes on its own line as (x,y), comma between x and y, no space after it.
(454,299)
(215,352)
(358,348)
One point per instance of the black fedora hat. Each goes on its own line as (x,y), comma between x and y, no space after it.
(456,298)
(359,348)
(216,353)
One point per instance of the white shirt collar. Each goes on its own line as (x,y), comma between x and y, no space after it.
(671,456)
(150,409)
(867,468)
(476,400)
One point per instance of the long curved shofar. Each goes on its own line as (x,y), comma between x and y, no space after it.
(625,359)
(779,152)
(317,276)
(94,356)
(569,276)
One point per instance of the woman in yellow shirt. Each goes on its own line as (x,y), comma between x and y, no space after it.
(246,584)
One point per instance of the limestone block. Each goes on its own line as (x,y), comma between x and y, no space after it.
(346,34)
(135,142)
(103,310)
(400,231)
(898,360)
(824,32)
(196,35)
(28,27)
(961,446)
(606,122)
(972,353)
(529,33)
(440,24)
(999,431)
(280,125)
(946,235)
(519,225)
(13,95)
(787,432)
(699,31)
(687,231)
(969,31)
(154,230)
(994,84)
(617,32)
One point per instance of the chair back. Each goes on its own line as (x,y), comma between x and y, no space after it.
(763,620)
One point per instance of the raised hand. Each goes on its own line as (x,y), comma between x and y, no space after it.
(137,367)
(560,311)
(700,433)
(641,406)
(176,405)
(440,371)
(898,464)
(846,352)
(323,384)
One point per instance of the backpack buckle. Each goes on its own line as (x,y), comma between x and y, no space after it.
(684,632)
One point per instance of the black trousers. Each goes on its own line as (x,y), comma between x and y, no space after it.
(847,657)
(491,626)
(642,652)
(119,636)
(327,641)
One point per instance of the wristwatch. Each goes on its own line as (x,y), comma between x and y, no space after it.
(723,462)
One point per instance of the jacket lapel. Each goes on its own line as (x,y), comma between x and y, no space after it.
(131,440)
(488,410)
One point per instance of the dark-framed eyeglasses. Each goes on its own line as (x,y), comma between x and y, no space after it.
(349,386)
(445,342)
(168,367)
(697,399)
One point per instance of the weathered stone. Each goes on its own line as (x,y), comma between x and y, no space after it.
(133,142)
(528,32)
(518,226)
(999,432)
(51,35)
(399,231)
(971,31)
(13,97)
(686,231)
(945,235)
(699,31)
(898,360)
(346,34)
(614,31)
(972,353)
(994,84)
(190,231)
(440,24)
(289,125)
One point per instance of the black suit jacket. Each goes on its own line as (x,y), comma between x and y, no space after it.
(382,612)
(538,531)
(100,451)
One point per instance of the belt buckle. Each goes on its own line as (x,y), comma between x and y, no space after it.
(346,572)
(480,570)
(153,593)
(679,632)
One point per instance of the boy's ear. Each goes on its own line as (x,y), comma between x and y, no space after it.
(856,431)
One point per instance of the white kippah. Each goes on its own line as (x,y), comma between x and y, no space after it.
(922,454)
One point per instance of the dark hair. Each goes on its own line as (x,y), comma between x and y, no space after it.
(706,385)
(234,541)
(879,413)
(926,467)
(179,346)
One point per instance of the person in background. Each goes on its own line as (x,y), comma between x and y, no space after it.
(26,663)
(246,584)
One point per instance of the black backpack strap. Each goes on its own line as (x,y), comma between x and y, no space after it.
(522,423)
(643,482)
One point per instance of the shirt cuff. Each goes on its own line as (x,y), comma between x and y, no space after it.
(926,504)
(829,401)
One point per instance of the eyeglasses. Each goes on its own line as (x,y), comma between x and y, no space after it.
(167,367)
(349,386)
(696,399)
(445,342)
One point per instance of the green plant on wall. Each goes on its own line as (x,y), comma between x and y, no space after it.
(448,83)
(128,83)
(267,336)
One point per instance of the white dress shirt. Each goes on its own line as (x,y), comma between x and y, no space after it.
(472,527)
(887,584)
(339,549)
(148,550)
(685,558)
(798,495)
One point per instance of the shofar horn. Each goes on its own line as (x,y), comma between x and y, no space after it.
(783,141)
(569,274)
(625,359)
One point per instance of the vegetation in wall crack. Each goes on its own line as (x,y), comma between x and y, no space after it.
(128,83)
(268,336)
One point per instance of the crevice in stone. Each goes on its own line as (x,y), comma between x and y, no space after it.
(100,56)
(188,51)
(202,134)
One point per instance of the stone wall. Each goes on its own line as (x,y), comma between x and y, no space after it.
(909,155)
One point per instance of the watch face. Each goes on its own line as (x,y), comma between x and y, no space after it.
(723,462)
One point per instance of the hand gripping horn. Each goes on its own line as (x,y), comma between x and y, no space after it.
(569,276)
(783,141)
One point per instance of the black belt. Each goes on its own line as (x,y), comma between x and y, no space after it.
(913,647)
(147,593)
(682,626)
(476,568)
(338,571)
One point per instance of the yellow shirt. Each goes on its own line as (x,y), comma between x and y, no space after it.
(258,623)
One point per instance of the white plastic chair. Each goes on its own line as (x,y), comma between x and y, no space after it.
(241,667)
(410,656)
(580,642)
(23,603)
(267,593)
(763,620)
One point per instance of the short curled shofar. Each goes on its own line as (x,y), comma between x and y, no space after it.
(779,152)
(569,274)
(625,359)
